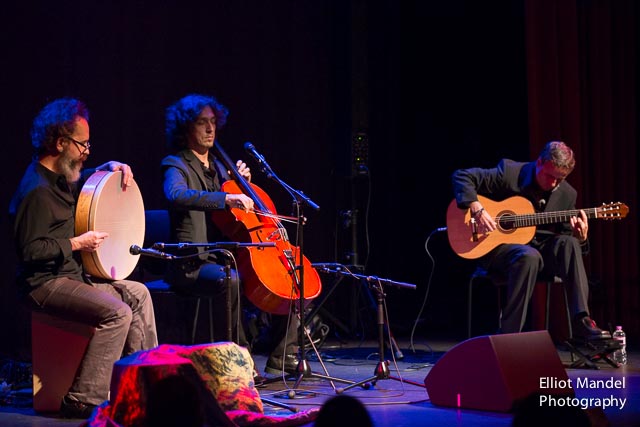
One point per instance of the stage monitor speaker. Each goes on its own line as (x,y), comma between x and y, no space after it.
(494,372)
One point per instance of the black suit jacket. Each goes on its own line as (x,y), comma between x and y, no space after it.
(510,178)
(189,202)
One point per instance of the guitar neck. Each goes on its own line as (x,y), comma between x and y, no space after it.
(528,220)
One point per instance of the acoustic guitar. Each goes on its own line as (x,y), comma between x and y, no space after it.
(516,221)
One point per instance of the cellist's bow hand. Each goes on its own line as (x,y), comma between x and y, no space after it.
(244,170)
(239,201)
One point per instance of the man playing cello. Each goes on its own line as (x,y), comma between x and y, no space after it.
(192,179)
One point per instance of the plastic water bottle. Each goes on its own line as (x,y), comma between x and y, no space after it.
(620,356)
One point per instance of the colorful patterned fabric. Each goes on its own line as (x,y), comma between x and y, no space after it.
(221,374)
(227,370)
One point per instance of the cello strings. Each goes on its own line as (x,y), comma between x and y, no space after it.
(275,216)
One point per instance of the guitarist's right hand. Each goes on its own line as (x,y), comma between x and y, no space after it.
(483,218)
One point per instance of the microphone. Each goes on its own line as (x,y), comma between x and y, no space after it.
(541,204)
(326,265)
(249,148)
(137,250)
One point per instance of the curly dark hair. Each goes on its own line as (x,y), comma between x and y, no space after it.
(179,116)
(56,119)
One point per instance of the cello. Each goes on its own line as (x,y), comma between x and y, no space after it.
(269,274)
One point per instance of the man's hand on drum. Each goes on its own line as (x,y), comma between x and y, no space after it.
(89,241)
(113,166)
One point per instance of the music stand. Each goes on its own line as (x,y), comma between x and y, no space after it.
(381,371)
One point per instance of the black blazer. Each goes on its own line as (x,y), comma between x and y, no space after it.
(510,178)
(185,191)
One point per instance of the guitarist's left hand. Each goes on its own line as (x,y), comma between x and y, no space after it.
(580,226)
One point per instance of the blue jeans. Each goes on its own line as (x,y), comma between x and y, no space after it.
(122,314)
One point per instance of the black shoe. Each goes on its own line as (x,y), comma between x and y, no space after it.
(258,379)
(275,365)
(586,328)
(70,408)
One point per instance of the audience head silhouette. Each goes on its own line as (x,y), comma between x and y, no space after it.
(529,413)
(343,411)
(174,401)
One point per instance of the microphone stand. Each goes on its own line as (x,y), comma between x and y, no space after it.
(303,370)
(381,371)
(213,245)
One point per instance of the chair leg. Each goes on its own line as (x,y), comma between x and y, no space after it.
(566,307)
(547,306)
(211,320)
(469,306)
(499,290)
(569,323)
(195,322)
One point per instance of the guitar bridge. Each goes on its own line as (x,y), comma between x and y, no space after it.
(474,229)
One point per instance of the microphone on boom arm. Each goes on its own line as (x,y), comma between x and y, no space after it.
(249,148)
(153,253)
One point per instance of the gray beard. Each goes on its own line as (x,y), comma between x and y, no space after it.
(69,167)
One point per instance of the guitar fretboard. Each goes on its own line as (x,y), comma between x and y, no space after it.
(528,220)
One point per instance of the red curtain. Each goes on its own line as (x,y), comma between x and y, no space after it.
(581,75)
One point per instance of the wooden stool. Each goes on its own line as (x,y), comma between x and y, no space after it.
(57,347)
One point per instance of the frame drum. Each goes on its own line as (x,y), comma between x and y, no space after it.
(104,206)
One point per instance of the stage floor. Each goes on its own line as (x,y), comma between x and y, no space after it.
(392,402)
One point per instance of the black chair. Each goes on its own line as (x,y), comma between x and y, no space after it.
(157,229)
(500,281)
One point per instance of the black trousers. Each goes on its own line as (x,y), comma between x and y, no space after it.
(522,265)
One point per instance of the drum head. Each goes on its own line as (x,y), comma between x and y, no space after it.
(104,206)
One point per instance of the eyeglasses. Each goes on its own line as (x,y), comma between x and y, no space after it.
(85,145)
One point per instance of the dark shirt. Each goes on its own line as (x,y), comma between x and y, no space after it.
(212,184)
(43,209)
(210,175)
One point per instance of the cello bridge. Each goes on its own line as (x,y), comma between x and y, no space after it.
(278,234)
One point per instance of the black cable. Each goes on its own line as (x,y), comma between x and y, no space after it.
(426,295)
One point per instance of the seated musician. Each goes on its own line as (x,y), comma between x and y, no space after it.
(192,188)
(50,275)
(556,249)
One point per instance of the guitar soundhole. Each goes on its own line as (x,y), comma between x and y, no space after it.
(506,221)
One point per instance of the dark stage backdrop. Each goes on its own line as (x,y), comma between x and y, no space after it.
(582,85)
(434,85)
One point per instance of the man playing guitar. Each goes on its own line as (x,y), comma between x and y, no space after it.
(556,249)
